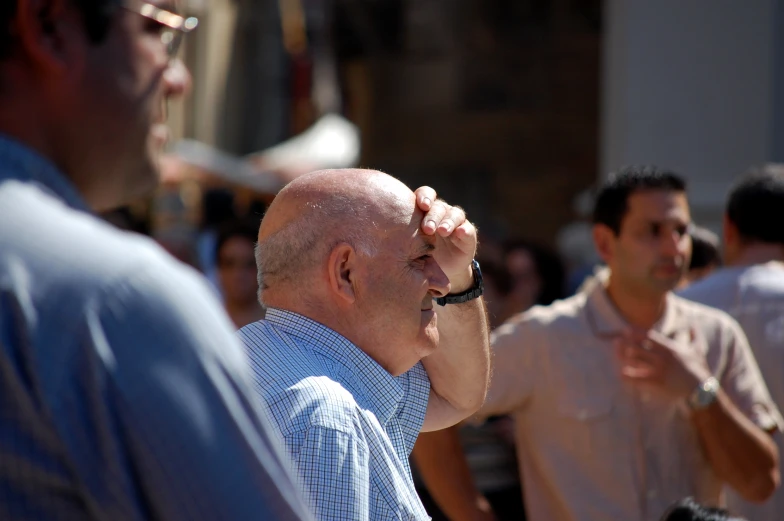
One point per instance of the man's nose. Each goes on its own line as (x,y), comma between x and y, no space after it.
(438,281)
(673,244)
(177,79)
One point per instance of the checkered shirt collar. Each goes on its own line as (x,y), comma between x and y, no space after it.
(363,376)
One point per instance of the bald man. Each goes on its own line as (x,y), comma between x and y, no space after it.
(355,356)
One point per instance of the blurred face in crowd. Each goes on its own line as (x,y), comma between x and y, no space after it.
(133,76)
(105,102)
(237,271)
(652,250)
(397,299)
(527,285)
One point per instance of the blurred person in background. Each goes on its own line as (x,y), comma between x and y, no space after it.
(626,397)
(689,510)
(125,394)
(498,289)
(538,275)
(751,289)
(234,255)
(468,471)
(217,209)
(375,330)
(705,255)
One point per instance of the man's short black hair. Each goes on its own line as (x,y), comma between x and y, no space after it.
(705,248)
(96,14)
(756,204)
(613,196)
(689,510)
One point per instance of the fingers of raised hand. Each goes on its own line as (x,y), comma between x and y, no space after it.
(425,196)
(452,219)
(434,216)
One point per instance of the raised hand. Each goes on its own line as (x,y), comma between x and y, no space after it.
(457,237)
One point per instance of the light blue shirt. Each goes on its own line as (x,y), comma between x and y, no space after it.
(124,394)
(348,424)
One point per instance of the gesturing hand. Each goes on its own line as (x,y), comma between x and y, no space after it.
(676,367)
(457,238)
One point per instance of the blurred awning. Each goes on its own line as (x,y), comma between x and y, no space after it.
(331,142)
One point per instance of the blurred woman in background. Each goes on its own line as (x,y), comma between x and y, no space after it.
(236,270)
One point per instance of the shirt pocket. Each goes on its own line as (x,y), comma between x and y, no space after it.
(584,410)
(584,392)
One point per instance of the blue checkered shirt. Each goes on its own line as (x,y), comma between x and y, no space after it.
(124,393)
(348,424)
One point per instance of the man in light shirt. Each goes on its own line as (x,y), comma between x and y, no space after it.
(627,398)
(751,289)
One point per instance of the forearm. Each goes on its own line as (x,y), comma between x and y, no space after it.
(459,370)
(741,454)
(443,467)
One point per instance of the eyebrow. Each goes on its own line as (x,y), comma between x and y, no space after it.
(424,246)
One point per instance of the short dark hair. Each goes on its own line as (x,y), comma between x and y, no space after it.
(97,16)
(756,204)
(612,198)
(689,510)
(705,248)
(243,228)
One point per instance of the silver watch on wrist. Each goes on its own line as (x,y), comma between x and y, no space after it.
(704,395)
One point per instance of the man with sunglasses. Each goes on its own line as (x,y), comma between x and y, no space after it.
(125,395)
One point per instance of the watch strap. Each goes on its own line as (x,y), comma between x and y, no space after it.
(472,293)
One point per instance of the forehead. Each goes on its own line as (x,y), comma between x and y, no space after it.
(405,232)
(657,205)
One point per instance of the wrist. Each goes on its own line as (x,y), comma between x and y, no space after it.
(704,395)
(463,281)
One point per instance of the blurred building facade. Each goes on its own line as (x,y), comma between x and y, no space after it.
(514,108)
(492,101)
(697,86)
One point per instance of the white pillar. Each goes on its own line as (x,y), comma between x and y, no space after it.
(689,84)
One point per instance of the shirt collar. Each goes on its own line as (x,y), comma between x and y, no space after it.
(606,322)
(361,375)
(17,161)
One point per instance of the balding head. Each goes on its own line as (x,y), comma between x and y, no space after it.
(319,210)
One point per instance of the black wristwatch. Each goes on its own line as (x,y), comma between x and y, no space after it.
(474,292)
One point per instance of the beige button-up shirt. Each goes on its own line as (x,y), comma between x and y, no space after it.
(593,447)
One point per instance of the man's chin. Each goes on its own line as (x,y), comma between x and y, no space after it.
(429,343)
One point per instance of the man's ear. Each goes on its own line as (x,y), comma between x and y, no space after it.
(342,271)
(50,34)
(604,240)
